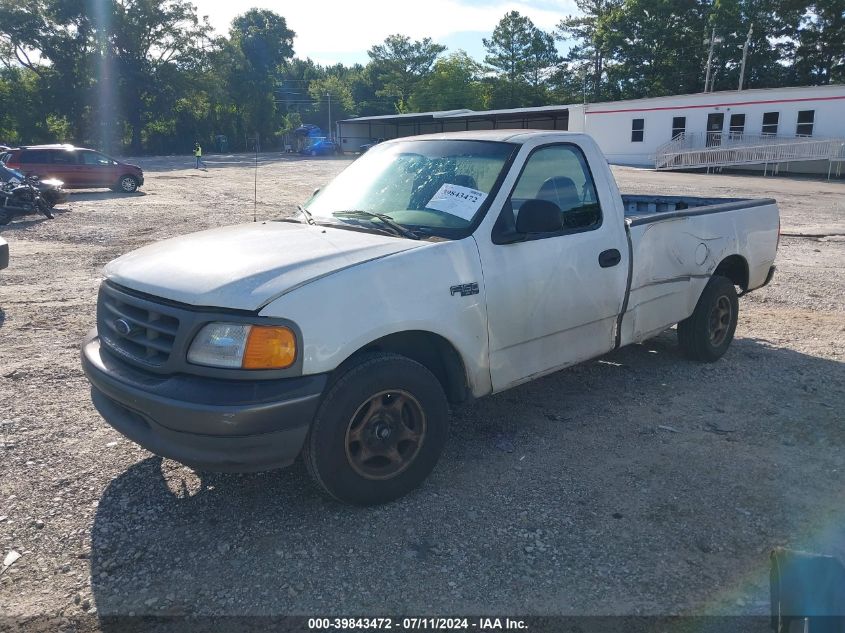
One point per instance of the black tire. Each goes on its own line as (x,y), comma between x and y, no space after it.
(127,184)
(377,382)
(49,199)
(708,332)
(45,208)
(5,218)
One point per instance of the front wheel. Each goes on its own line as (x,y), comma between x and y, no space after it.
(708,332)
(128,184)
(379,430)
(45,208)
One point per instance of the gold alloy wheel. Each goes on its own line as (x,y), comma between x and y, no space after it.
(720,320)
(385,434)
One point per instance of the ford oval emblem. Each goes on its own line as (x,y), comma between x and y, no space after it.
(122,327)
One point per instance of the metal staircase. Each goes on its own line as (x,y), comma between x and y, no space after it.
(726,149)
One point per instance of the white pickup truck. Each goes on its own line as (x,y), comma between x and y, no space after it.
(433,270)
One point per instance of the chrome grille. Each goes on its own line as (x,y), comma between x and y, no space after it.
(136,328)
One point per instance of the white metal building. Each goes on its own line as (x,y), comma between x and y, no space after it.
(639,132)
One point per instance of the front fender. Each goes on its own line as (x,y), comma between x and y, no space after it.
(409,291)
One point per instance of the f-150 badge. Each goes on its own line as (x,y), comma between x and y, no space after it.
(465,290)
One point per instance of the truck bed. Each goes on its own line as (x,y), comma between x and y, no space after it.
(644,209)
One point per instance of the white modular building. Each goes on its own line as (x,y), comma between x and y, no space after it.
(798,128)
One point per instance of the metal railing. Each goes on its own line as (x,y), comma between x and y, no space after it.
(724,149)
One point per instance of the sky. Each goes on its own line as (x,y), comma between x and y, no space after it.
(341,31)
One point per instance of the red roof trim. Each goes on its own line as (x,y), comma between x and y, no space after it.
(714,105)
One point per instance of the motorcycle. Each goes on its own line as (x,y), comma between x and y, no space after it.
(21,199)
(52,191)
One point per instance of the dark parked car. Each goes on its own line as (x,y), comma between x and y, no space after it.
(77,167)
(320,147)
(370,145)
(51,190)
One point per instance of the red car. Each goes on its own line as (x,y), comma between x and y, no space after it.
(77,167)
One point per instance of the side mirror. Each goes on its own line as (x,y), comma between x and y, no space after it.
(539,216)
(315,192)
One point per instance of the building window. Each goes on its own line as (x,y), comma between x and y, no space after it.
(805,123)
(770,123)
(679,126)
(637,130)
(737,125)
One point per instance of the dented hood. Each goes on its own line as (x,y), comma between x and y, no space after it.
(247,266)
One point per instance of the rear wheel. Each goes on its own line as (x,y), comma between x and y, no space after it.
(5,217)
(708,332)
(128,184)
(379,431)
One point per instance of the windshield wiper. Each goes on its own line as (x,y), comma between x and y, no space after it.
(386,219)
(305,212)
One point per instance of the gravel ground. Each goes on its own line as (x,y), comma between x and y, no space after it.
(639,483)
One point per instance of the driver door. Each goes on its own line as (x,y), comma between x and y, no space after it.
(553,299)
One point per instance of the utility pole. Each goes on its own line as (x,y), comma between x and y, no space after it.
(713,40)
(745,56)
(329,95)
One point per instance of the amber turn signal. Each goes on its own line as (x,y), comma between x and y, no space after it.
(269,347)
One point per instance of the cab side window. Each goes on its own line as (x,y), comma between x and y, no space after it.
(559,174)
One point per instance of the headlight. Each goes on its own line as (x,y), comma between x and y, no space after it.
(243,346)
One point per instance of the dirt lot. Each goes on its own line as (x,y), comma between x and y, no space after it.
(636,484)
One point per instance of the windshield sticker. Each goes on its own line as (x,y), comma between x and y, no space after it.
(456,200)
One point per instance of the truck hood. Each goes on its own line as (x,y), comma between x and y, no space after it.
(247,266)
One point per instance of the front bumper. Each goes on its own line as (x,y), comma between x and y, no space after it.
(207,423)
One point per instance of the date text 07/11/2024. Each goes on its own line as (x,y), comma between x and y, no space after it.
(417,624)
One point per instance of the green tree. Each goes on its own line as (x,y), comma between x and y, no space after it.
(149,40)
(453,84)
(400,64)
(588,34)
(54,40)
(732,20)
(657,47)
(542,60)
(260,44)
(23,116)
(816,48)
(522,57)
(507,52)
(335,91)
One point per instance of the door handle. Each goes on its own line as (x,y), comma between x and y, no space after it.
(609,258)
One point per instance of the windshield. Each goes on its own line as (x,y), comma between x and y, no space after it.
(420,184)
